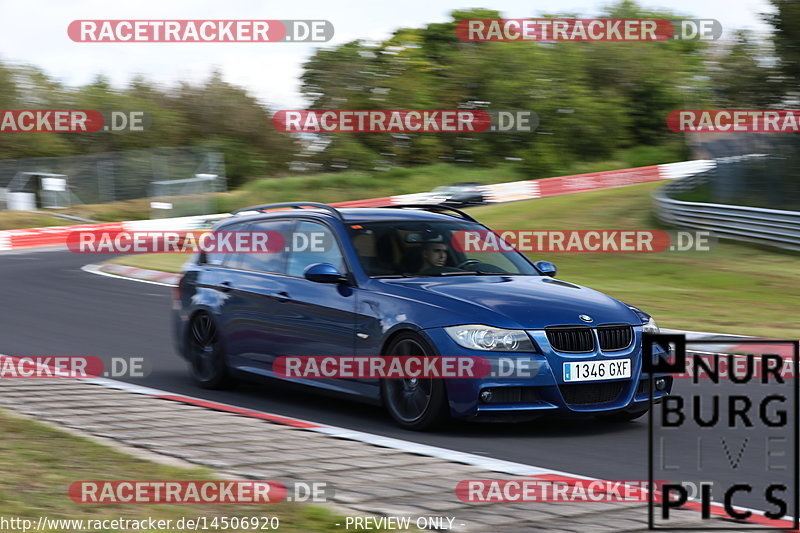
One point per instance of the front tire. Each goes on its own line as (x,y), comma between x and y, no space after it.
(206,356)
(415,404)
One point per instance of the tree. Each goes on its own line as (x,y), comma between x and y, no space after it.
(786,23)
(742,77)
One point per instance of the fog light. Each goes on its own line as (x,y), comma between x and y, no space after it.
(486,396)
(661,384)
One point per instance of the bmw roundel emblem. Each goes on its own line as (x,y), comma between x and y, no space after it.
(585,318)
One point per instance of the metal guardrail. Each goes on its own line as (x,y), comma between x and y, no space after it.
(772,227)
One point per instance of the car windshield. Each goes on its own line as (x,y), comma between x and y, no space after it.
(405,248)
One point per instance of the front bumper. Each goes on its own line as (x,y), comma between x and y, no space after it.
(526,385)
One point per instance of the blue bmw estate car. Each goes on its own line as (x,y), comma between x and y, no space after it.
(390,282)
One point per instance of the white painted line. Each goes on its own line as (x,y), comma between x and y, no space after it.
(486,463)
(95,269)
(699,335)
(121,385)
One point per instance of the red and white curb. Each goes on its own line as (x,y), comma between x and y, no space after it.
(542,188)
(486,463)
(56,236)
(20,239)
(155,277)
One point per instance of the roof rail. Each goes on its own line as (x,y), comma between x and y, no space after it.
(295,205)
(437,208)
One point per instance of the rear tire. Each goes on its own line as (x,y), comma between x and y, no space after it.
(415,404)
(206,356)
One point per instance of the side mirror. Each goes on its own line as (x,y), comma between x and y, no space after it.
(546,267)
(323,273)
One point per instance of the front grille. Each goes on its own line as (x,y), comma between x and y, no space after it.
(575,339)
(589,393)
(614,338)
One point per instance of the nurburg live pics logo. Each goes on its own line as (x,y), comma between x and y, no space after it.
(731,438)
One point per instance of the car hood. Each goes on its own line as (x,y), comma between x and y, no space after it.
(528,302)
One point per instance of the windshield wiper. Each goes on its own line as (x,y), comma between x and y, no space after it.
(453,273)
(481,273)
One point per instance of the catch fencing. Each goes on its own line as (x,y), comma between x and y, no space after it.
(178,180)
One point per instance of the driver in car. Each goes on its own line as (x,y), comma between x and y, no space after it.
(434,259)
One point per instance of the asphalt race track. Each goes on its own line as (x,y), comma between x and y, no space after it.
(51,307)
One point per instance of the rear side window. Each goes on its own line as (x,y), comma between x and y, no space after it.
(313,242)
(221,258)
(263,262)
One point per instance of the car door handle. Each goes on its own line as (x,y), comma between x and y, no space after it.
(225,286)
(281,296)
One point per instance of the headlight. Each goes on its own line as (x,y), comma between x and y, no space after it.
(650,327)
(487,338)
(648,324)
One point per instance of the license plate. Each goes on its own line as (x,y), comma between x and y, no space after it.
(597,370)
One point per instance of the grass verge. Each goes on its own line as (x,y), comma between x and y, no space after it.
(39,463)
(30,219)
(162,262)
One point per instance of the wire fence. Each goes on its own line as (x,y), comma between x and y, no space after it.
(756,170)
(184,177)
